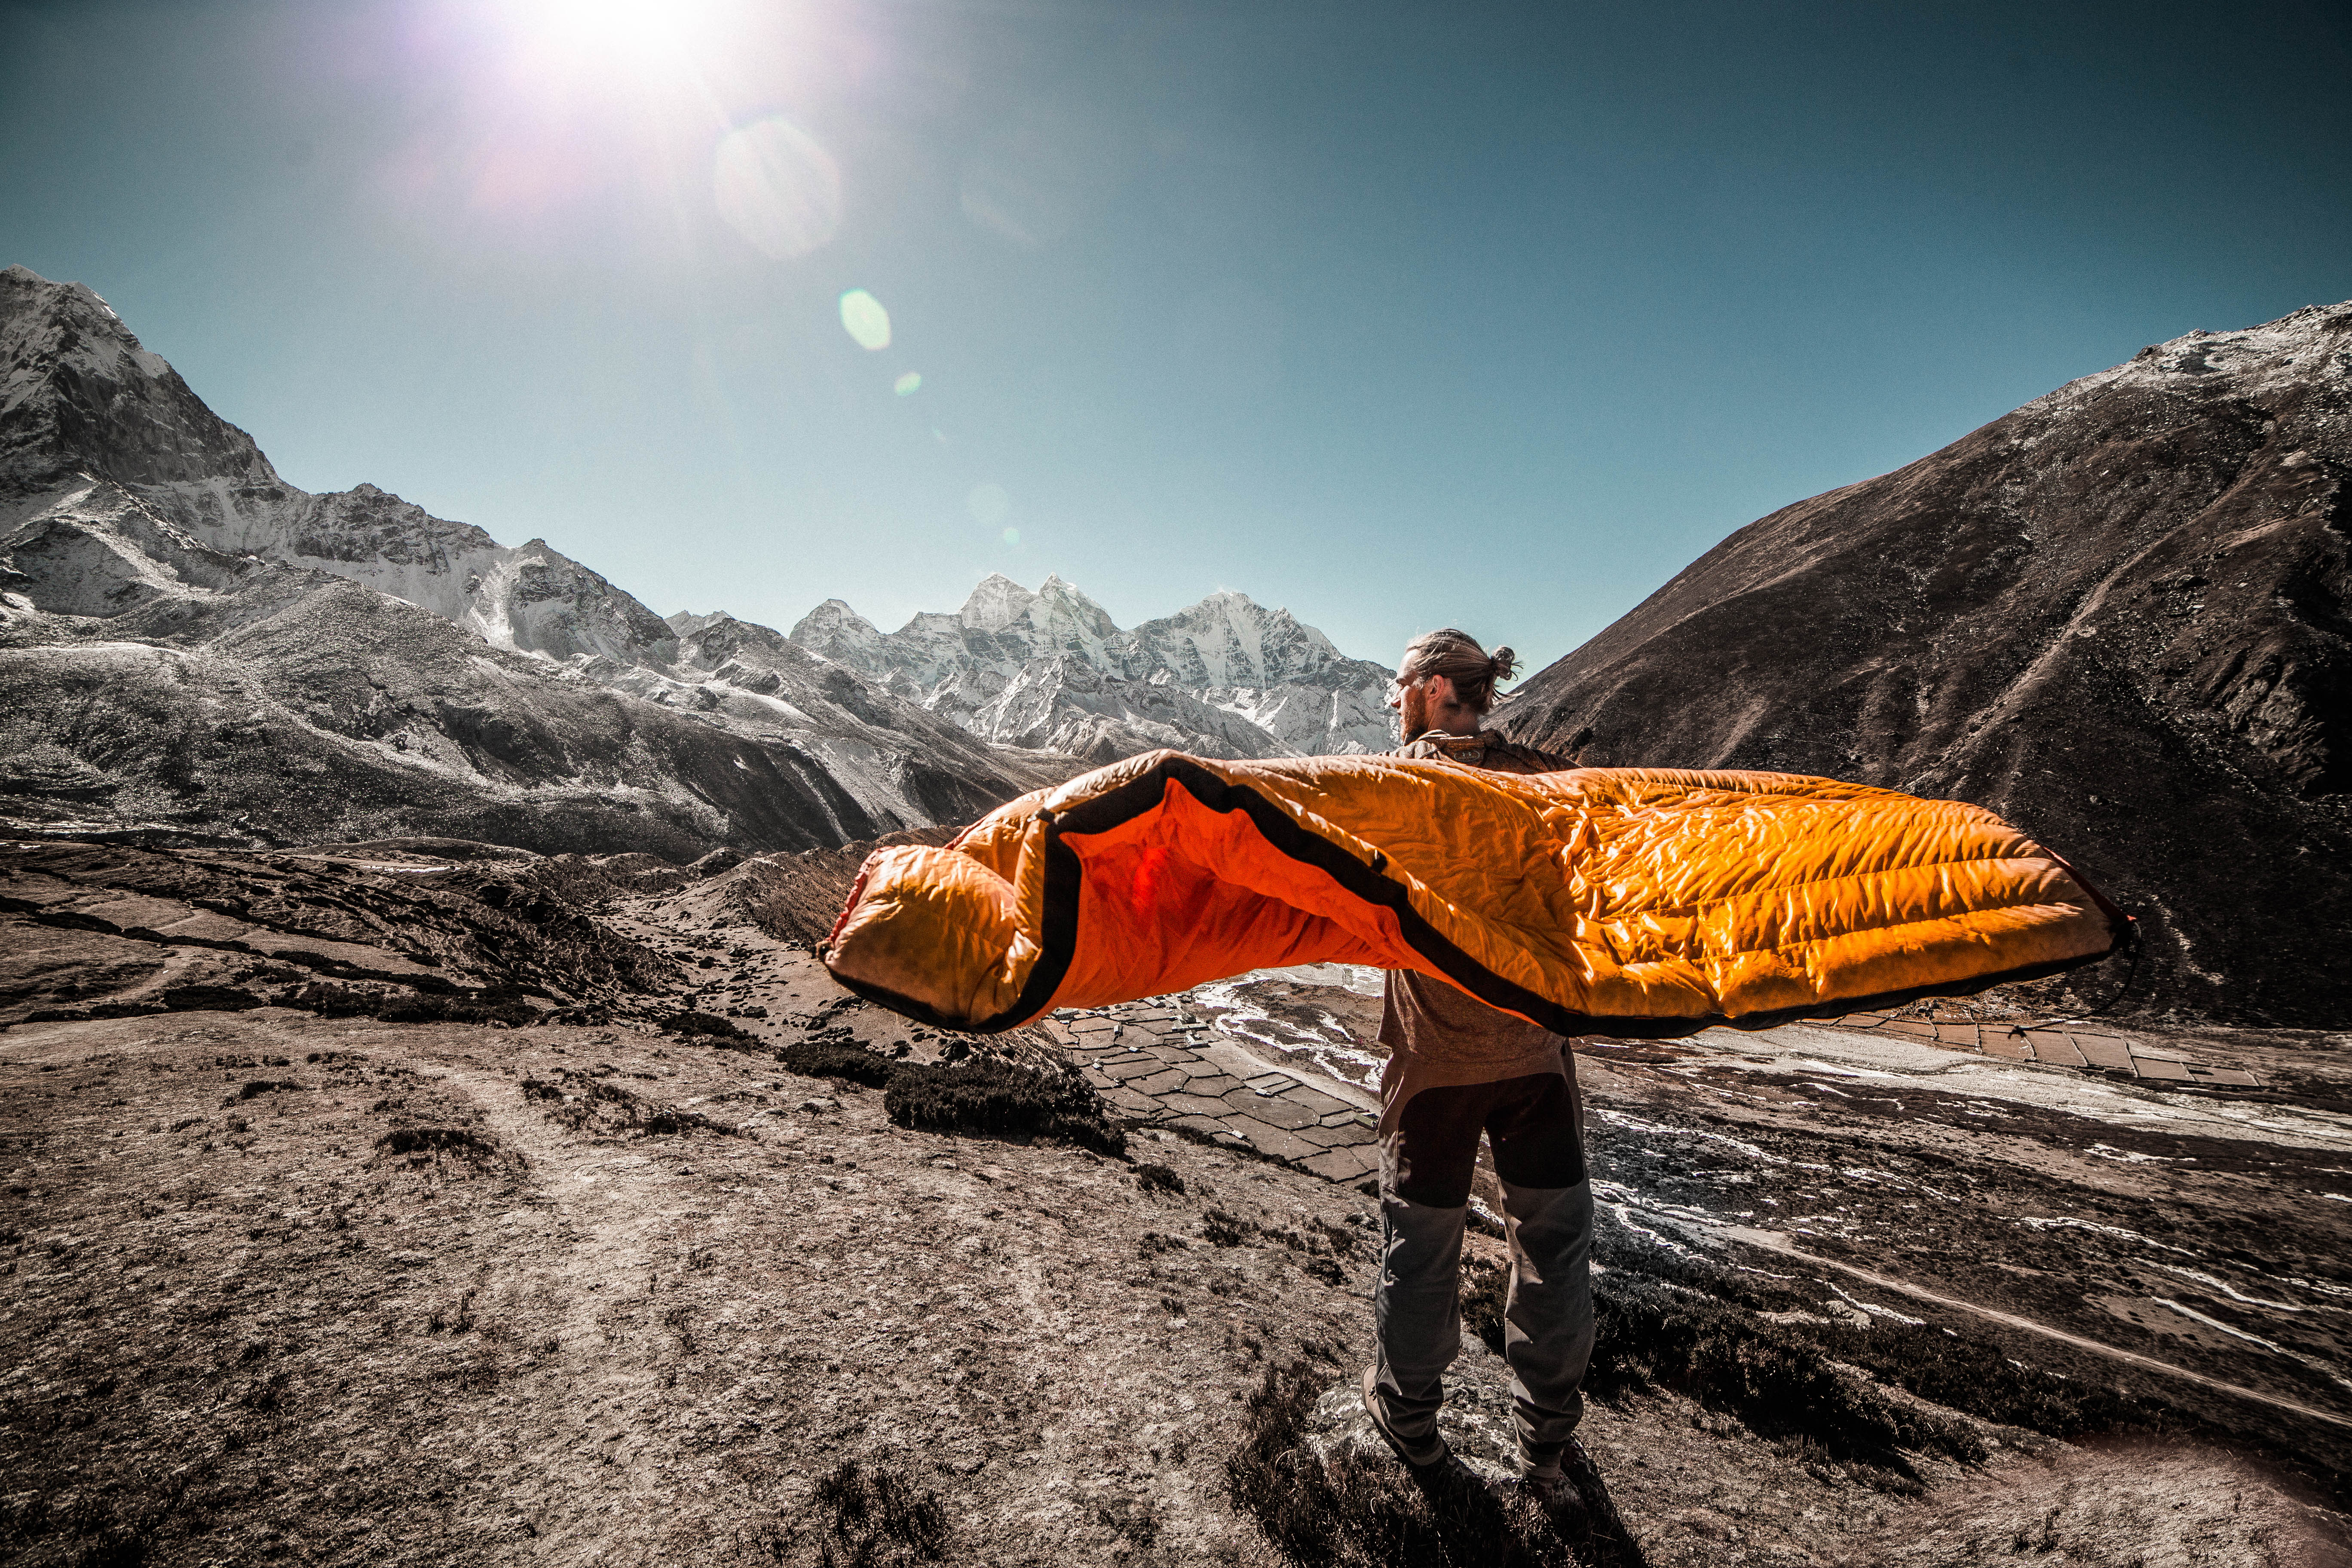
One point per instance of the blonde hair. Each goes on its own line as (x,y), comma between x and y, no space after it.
(1456,656)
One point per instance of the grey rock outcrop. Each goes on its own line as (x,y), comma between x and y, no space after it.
(2117,616)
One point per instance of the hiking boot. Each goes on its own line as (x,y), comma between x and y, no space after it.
(1543,1478)
(1566,1482)
(1419,1453)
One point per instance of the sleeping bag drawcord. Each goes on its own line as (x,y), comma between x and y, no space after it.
(2132,941)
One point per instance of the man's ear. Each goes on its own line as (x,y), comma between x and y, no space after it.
(1441,692)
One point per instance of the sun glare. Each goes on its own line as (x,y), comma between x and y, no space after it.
(600,37)
(618,24)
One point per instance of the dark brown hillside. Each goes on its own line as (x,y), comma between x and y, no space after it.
(2117,616)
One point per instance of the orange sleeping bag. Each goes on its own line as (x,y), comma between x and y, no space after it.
(1628,901)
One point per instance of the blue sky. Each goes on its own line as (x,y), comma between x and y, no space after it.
(1399,316)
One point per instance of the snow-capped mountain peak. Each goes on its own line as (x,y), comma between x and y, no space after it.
(995,603)
(1051,669)
(834,631)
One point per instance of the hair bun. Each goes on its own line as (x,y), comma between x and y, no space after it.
(1503,663)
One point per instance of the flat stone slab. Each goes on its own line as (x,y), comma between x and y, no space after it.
(1314,1099)
(2102,1051)
(2066,1053)
(1216,1086)
(1159,1067)
(2054,1046)
(1274,1110)
(1272,1141)
(1208,1126)
(1194,1105)
(1348,1163)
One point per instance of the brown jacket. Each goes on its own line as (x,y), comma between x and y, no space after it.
(1437,1037)
(1487,749)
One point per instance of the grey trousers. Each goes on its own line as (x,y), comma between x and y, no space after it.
(1426,1164)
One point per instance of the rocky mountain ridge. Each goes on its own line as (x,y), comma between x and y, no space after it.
(2120,616)
(82,397)
(1225,677)
(197,649)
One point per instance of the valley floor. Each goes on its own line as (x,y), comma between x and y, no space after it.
(292,1287)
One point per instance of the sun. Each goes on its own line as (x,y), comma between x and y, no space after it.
(628,32)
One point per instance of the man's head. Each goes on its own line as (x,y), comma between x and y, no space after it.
(1447,681)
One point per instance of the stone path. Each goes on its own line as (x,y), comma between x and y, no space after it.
(1159,1063)
(2064,1045)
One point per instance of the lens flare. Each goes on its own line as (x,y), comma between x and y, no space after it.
(1038,175)
(864,318)
(908,385)
(1011,536)
(989,505)
(780,190)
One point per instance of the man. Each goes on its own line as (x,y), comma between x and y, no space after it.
(1457,1068)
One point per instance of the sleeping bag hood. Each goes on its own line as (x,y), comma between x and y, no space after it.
(1624,901)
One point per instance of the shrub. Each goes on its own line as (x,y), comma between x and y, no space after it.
(978,1094)
(480,1007)
(845,1060)
(1327,1270)
(1356,1512)
(981,1094)
(1972,1376)
(1773,1380)
(878,1516)
(450,1142)
(1223,1229)
(586,1104)
(332,1001)
(1159,1179)
(688,1022)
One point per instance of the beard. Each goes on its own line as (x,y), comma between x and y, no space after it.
(1413,714)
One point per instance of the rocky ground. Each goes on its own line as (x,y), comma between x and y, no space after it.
(582,1279)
